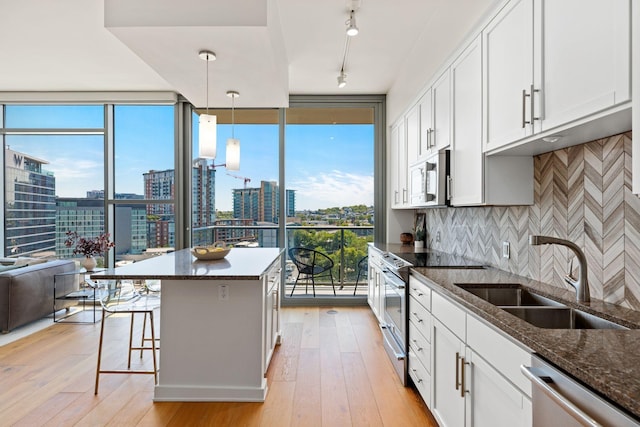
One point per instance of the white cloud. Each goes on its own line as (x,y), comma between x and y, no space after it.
(335,188)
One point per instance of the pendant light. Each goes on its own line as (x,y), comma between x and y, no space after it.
(233,144)
(207,123)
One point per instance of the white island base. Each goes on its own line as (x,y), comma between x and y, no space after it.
(212,341)
(219,322)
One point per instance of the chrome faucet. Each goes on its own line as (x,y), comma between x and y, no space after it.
(581,284)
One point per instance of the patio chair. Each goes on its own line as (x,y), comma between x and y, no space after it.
(311,264)
(363,265)
(121,297)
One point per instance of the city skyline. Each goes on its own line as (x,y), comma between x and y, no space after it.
(327,165)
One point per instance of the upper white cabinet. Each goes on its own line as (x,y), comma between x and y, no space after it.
(412,123)
(548,63)
(441,94)
(435,116)
(398,166)
(508,74)
(585,58)
(475,178)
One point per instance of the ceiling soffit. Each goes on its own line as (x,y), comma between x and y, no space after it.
(245,36)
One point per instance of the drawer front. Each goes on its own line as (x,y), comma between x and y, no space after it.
(420,377)
(450,315)
(503,354)
(420,316)
(420,292)
(420,345)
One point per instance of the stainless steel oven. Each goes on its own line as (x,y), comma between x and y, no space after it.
(394,328)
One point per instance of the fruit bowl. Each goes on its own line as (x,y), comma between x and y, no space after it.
(218,250)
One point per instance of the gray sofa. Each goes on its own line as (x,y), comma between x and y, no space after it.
(26,293)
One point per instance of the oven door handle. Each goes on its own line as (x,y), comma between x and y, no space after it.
(398,353)
(393,280)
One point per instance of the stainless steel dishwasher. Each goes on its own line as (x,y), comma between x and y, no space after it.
(559,400)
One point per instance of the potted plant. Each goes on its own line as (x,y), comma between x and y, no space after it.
(420,236)
(89,247)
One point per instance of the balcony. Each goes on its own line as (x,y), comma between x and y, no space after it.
(345,245)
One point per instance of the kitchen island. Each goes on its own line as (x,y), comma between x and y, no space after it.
(218,322)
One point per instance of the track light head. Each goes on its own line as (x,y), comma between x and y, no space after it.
(342,80)
(352,28)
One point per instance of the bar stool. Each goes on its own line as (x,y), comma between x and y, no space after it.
(123,298)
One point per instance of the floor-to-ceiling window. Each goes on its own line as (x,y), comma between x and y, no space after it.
(144,175)
(239,206)
(53,160)
(90,169)
(329,165)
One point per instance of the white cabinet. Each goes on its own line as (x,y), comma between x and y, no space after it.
(412,123)
(441,94)
(474,369)
(435,116)
(272,312)
(491,391)
(375,296)
(475,178)
(585,62)
(426,123)
(420,338)
(398,166)
(448,376)
(548,63)
(508,74)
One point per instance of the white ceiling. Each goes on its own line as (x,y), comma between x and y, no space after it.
(266,49)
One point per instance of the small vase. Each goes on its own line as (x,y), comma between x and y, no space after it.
(418,244)
(89,263)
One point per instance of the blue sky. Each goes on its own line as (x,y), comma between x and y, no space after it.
(327,165)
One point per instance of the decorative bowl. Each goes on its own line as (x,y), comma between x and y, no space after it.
(218,250)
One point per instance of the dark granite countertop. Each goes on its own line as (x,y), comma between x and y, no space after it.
(606,360)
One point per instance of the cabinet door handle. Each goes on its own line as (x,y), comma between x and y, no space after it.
(457,371)
(416,314)
(419,348)
(462,381)
(524,108)
(533,118)
(415,371)
(395,197)
(404,195)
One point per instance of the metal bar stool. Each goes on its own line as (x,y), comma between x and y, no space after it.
(124,298)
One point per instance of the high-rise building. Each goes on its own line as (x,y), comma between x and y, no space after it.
(203,193)
(160,185)
(290,209)
(261,204)
(30,206)
(86,217)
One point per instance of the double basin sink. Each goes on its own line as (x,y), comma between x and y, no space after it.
(537,310)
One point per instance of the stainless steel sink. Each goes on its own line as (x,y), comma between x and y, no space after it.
(512,295)
(535,309)
(561,318)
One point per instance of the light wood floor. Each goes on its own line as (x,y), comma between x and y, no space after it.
(331,370)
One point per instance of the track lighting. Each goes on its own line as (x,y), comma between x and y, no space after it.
(352,29)
(342,79)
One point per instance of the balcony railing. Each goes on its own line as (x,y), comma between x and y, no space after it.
(345,245)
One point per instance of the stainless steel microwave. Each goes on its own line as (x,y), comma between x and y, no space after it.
(429,181)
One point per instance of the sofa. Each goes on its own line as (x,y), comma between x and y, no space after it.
(26,291)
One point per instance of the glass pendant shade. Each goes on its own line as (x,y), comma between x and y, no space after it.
(207,136)
(233,154)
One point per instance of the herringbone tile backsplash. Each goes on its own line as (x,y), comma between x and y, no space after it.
(583,194)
